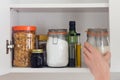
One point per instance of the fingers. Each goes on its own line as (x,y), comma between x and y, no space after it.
(89,47)
(86,60)
(87,56)
(86,52)
(107,56)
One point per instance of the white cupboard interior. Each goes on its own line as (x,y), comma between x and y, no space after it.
(49,14)
(58,18)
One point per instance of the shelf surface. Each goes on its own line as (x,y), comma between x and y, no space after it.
(54,70)
(75,5)
(49,70)
(60,7)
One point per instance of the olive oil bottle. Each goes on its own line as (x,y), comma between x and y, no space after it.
(78,51)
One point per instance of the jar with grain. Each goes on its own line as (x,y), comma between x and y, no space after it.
(24,42)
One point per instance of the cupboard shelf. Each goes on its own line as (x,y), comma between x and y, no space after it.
(54,70)
(49,70)
(79,5)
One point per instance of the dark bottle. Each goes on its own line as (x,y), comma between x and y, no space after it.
(72,40)
(72,51)
(37,58)
(72,31)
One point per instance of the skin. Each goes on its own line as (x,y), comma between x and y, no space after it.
(96,62)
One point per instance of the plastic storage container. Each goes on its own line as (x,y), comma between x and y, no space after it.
(57,48)
(24,42)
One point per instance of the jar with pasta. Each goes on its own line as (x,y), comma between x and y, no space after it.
(24,42)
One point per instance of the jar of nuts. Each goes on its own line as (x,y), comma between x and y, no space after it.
(24,42)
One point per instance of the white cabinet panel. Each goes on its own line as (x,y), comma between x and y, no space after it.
(4,35)
(115,34)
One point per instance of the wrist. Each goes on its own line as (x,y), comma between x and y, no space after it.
(105,77)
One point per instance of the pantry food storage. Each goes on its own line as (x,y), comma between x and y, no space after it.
(57,48)
(56,14)
(99,38)
(50,16)
(24,42)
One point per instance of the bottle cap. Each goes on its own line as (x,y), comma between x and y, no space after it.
(72,25)
(78,34)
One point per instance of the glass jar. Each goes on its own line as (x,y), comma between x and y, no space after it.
(91,37)
(99,38)
(24,42)
(57,48)
(102,40)
(37,58)
(42,42)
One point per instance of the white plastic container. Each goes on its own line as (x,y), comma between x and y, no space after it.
(57,48)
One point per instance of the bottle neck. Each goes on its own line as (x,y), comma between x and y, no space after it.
(72,31)
(78,39)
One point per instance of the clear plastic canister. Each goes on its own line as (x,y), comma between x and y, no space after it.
(24,42)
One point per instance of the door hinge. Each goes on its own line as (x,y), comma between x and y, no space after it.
(9,46)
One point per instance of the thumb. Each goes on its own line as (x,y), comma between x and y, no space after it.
(107,56)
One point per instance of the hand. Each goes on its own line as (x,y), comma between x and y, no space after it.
(96,62)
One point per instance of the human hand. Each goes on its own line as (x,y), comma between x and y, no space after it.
(96,62)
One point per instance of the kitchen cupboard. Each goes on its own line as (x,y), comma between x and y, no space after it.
(47,14)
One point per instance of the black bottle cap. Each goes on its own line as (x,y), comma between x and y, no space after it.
(78,34)
(72,25)
(71,34)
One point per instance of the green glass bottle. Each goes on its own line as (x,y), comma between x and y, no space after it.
(72,31)
(72,40)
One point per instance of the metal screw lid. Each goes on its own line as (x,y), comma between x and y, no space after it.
(37,51)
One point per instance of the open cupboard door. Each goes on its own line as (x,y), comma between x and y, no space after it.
(5,59)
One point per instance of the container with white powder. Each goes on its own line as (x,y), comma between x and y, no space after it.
(99,38)
(57,48)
